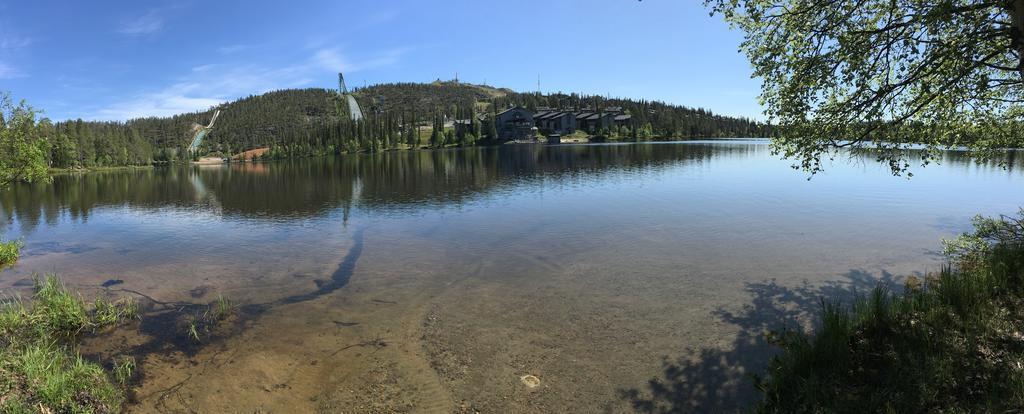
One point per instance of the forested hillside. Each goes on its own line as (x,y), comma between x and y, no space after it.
(299,122)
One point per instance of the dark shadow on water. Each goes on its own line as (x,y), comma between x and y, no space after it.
(713,380)
(339,278)
(166,324)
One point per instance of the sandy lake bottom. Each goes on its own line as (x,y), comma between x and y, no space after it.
(590,278)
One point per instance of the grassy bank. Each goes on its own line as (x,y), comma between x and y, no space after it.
(40,368)
(952,342)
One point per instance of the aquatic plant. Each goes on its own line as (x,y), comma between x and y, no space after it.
(130,308)
(204,319)
(222,308)
(193,330)
(105,313)
(124,369)
(10,251)
(950,343)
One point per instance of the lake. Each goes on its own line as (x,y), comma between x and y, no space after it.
(577,278)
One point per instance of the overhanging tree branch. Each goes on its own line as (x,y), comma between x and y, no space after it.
(876,72)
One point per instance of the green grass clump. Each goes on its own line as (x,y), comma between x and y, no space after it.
(10,251)
(193,329)
(130,308)
(222,308)
(40,368)
(124,369)
(106,313)
(49,376)
(58,311)
(201,324)
(953,342)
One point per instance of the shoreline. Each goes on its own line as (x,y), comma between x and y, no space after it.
(65,171)
(591,140)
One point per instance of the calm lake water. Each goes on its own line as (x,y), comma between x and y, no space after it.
(451,274)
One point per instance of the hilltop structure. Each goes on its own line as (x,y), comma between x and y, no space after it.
(353,107)
(200,132)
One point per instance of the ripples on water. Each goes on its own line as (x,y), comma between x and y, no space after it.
(584,263)
(708,190)
(717,195)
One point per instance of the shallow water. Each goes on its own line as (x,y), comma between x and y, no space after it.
(450,275)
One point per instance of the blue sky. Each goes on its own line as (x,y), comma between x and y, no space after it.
(116,60)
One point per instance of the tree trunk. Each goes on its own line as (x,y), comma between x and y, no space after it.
(1017,18)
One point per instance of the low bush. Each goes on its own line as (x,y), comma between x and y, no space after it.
(953,342)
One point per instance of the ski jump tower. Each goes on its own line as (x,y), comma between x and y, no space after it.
(353,107)
(201,132)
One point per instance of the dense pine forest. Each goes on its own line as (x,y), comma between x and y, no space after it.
(309,122)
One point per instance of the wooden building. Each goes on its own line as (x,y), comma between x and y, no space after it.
(515,123)
(550,121)
(623,120)
(592,122)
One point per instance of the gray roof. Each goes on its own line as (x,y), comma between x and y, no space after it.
(514,108)
(553,115)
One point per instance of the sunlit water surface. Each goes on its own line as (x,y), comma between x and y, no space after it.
(658,234)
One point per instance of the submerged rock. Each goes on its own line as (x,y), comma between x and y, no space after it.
(530,381)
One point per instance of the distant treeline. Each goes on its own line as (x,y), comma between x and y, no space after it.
(307,122)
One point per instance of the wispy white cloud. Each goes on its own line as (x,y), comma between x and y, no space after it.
(209,85)
(205,87)
(330,58)
(13,42)
(229,49)
(148,23)
(205,68)
(333,59)
(178,98)
(9,72)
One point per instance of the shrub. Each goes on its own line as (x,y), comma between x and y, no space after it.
(951,343)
